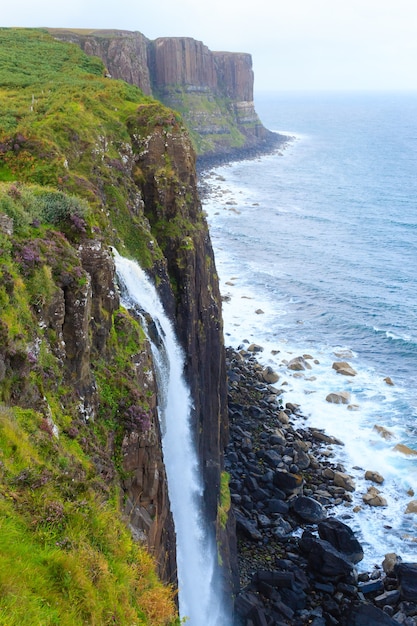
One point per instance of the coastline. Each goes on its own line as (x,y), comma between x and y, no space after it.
(272,143)
(259,550)
(284,486)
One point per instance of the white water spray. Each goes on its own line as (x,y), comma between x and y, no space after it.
(199,599)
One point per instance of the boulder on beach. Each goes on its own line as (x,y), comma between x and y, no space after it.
(309,509)
(283,418)
(407,576)
(342,537)
(338,397)
(344,480)
(343,367)
(375,477)
(325,559)
(322,436)
(373,497)
(286,481)
(299,364)
(269,375)
(368,615)
(391,560)
(254,347)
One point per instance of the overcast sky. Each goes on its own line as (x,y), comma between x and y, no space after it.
(295,44)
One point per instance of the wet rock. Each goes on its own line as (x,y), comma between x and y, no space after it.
(373,497)
(278,506)
(276,578)
(322,436)
(344,480)
(375,477)
(342,367)
(371,586)
(247,527)
(384,432)
(389,563)
(342,538)
(255,348)
(282,528)
(387,598)
(283,418)
(269,375)
(272,458)
(299,364)
(338,397)
(400,447)
(411,507)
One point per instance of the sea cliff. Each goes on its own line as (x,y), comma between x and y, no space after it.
(213,91)
(87,164)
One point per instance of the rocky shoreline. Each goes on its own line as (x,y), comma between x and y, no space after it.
(271,143)
(297,562)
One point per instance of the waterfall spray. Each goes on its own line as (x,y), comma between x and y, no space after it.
(199,599)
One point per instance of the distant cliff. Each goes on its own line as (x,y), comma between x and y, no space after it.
(212,90)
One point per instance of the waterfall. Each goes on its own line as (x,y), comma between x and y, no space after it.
(199,595)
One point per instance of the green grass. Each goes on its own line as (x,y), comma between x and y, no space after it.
(225,502)
(69,172)
(66,557)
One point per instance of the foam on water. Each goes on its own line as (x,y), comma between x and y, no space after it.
(254,312)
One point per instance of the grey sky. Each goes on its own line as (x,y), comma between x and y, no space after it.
(295,44)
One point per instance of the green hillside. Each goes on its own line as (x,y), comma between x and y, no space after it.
(67,176)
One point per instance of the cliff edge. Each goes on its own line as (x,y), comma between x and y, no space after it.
(87,164)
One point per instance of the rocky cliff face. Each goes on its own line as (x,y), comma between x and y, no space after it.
(174,212)
(182,61)
(132,160)
(124,53)
(212,90)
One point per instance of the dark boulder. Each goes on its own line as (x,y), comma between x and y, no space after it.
(287,482)
(324,559)
(247,528)
(309,509)
(369,615)
(407,577)
(275,578)
(272,458)
(342,538)
(276,505)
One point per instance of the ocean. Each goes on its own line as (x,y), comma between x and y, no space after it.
(316,251)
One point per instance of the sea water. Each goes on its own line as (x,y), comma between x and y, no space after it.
(316,250)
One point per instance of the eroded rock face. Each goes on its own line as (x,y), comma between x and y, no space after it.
(182,61)
(173,209)
(185,75)
(146,504)
(124,53)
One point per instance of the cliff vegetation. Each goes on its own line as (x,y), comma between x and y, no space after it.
(213,91)
(87,163)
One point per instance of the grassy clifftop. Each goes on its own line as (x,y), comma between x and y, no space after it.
(68,177)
